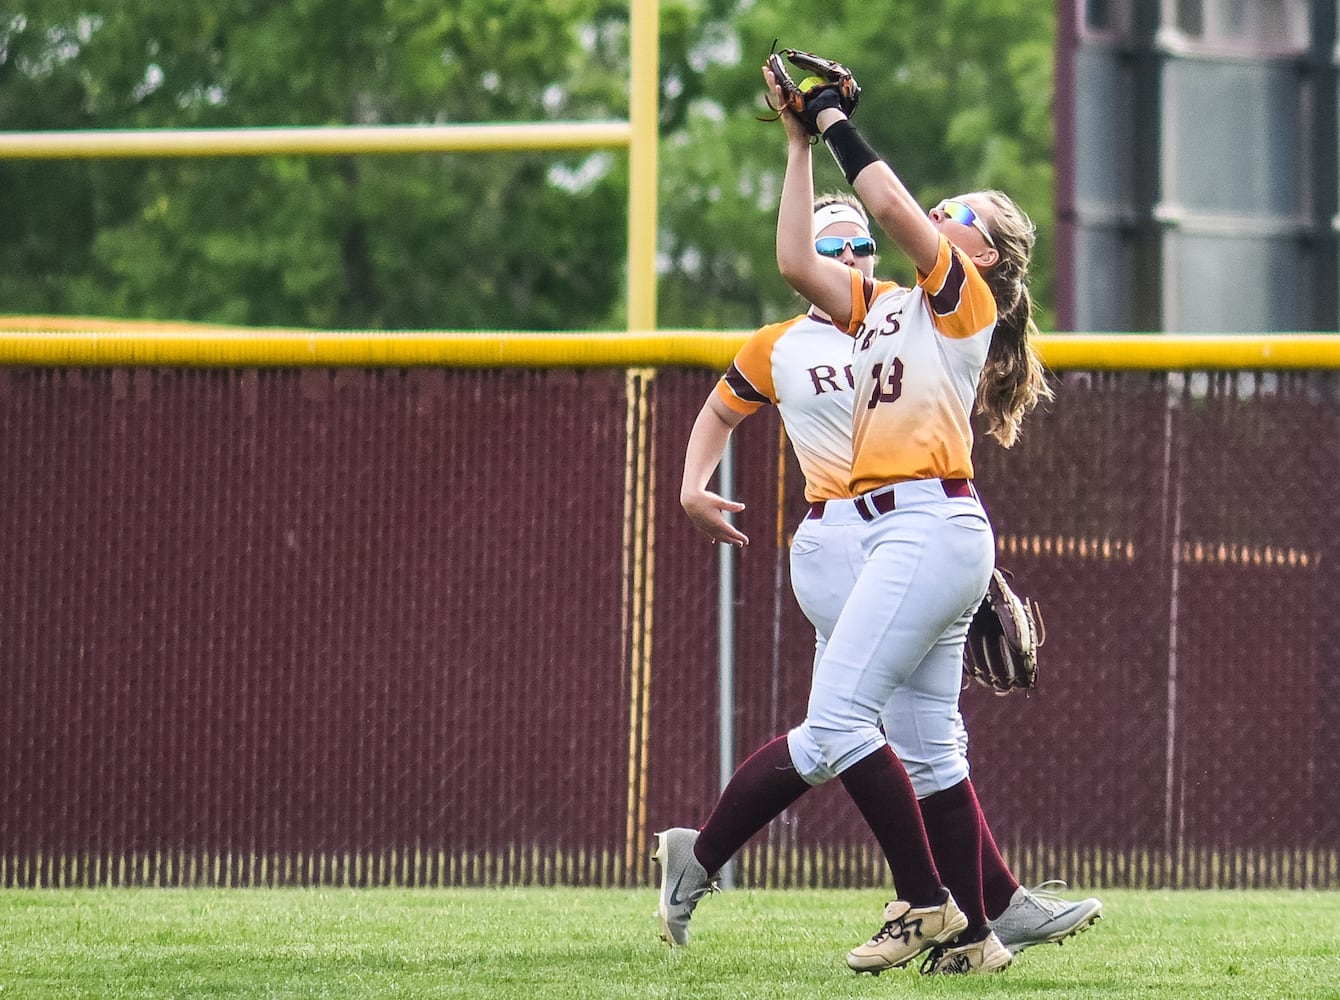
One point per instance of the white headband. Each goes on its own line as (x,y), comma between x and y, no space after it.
(838,212)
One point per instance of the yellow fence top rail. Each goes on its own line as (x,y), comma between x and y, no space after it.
(68,342)
(1189,352)
(292,349)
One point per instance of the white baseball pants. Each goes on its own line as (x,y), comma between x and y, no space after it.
(890,601)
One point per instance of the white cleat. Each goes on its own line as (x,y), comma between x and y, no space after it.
(907,932)
(986,955)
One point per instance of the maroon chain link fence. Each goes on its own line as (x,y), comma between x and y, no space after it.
(451,628)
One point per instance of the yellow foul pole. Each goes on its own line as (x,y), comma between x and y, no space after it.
(643,114)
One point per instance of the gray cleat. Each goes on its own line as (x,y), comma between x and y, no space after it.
(1040,916)
(683,882)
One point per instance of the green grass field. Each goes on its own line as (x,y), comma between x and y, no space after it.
(601,943)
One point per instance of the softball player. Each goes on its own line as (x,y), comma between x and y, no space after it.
(927,548)
(804,366)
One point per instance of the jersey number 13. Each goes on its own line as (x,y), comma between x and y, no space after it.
(888,385)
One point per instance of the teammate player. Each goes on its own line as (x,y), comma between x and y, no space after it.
(803,365)
(921,356)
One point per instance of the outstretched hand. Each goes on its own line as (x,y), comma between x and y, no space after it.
(707,511)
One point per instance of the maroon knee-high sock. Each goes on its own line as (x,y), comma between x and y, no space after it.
(998,882)
(879,786)
(761,787)
(954,825)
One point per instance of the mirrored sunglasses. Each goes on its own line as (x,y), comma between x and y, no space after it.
(832,246)
(965,216)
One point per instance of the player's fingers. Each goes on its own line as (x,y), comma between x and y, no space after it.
(719,503)
(720,530)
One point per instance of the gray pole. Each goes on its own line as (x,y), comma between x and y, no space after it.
(726,555)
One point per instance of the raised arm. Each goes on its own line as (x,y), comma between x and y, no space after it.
(885,197)
(823,281)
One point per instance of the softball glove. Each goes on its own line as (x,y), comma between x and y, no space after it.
(829,84)
(1003,639)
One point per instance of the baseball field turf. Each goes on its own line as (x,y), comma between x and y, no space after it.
(601,943)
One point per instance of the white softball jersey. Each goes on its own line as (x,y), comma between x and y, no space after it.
(919,354)
(803,365)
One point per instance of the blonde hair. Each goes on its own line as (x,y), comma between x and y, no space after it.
(1013,381)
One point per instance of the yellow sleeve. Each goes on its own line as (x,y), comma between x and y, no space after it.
(747,385)
(960,299)
(863,292)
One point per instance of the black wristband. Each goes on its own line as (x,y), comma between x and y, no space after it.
(852,153)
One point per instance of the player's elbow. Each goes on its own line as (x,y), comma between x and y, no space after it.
(794,267)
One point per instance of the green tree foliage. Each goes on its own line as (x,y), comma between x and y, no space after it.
(956,97)
(474,240)
(461,241)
